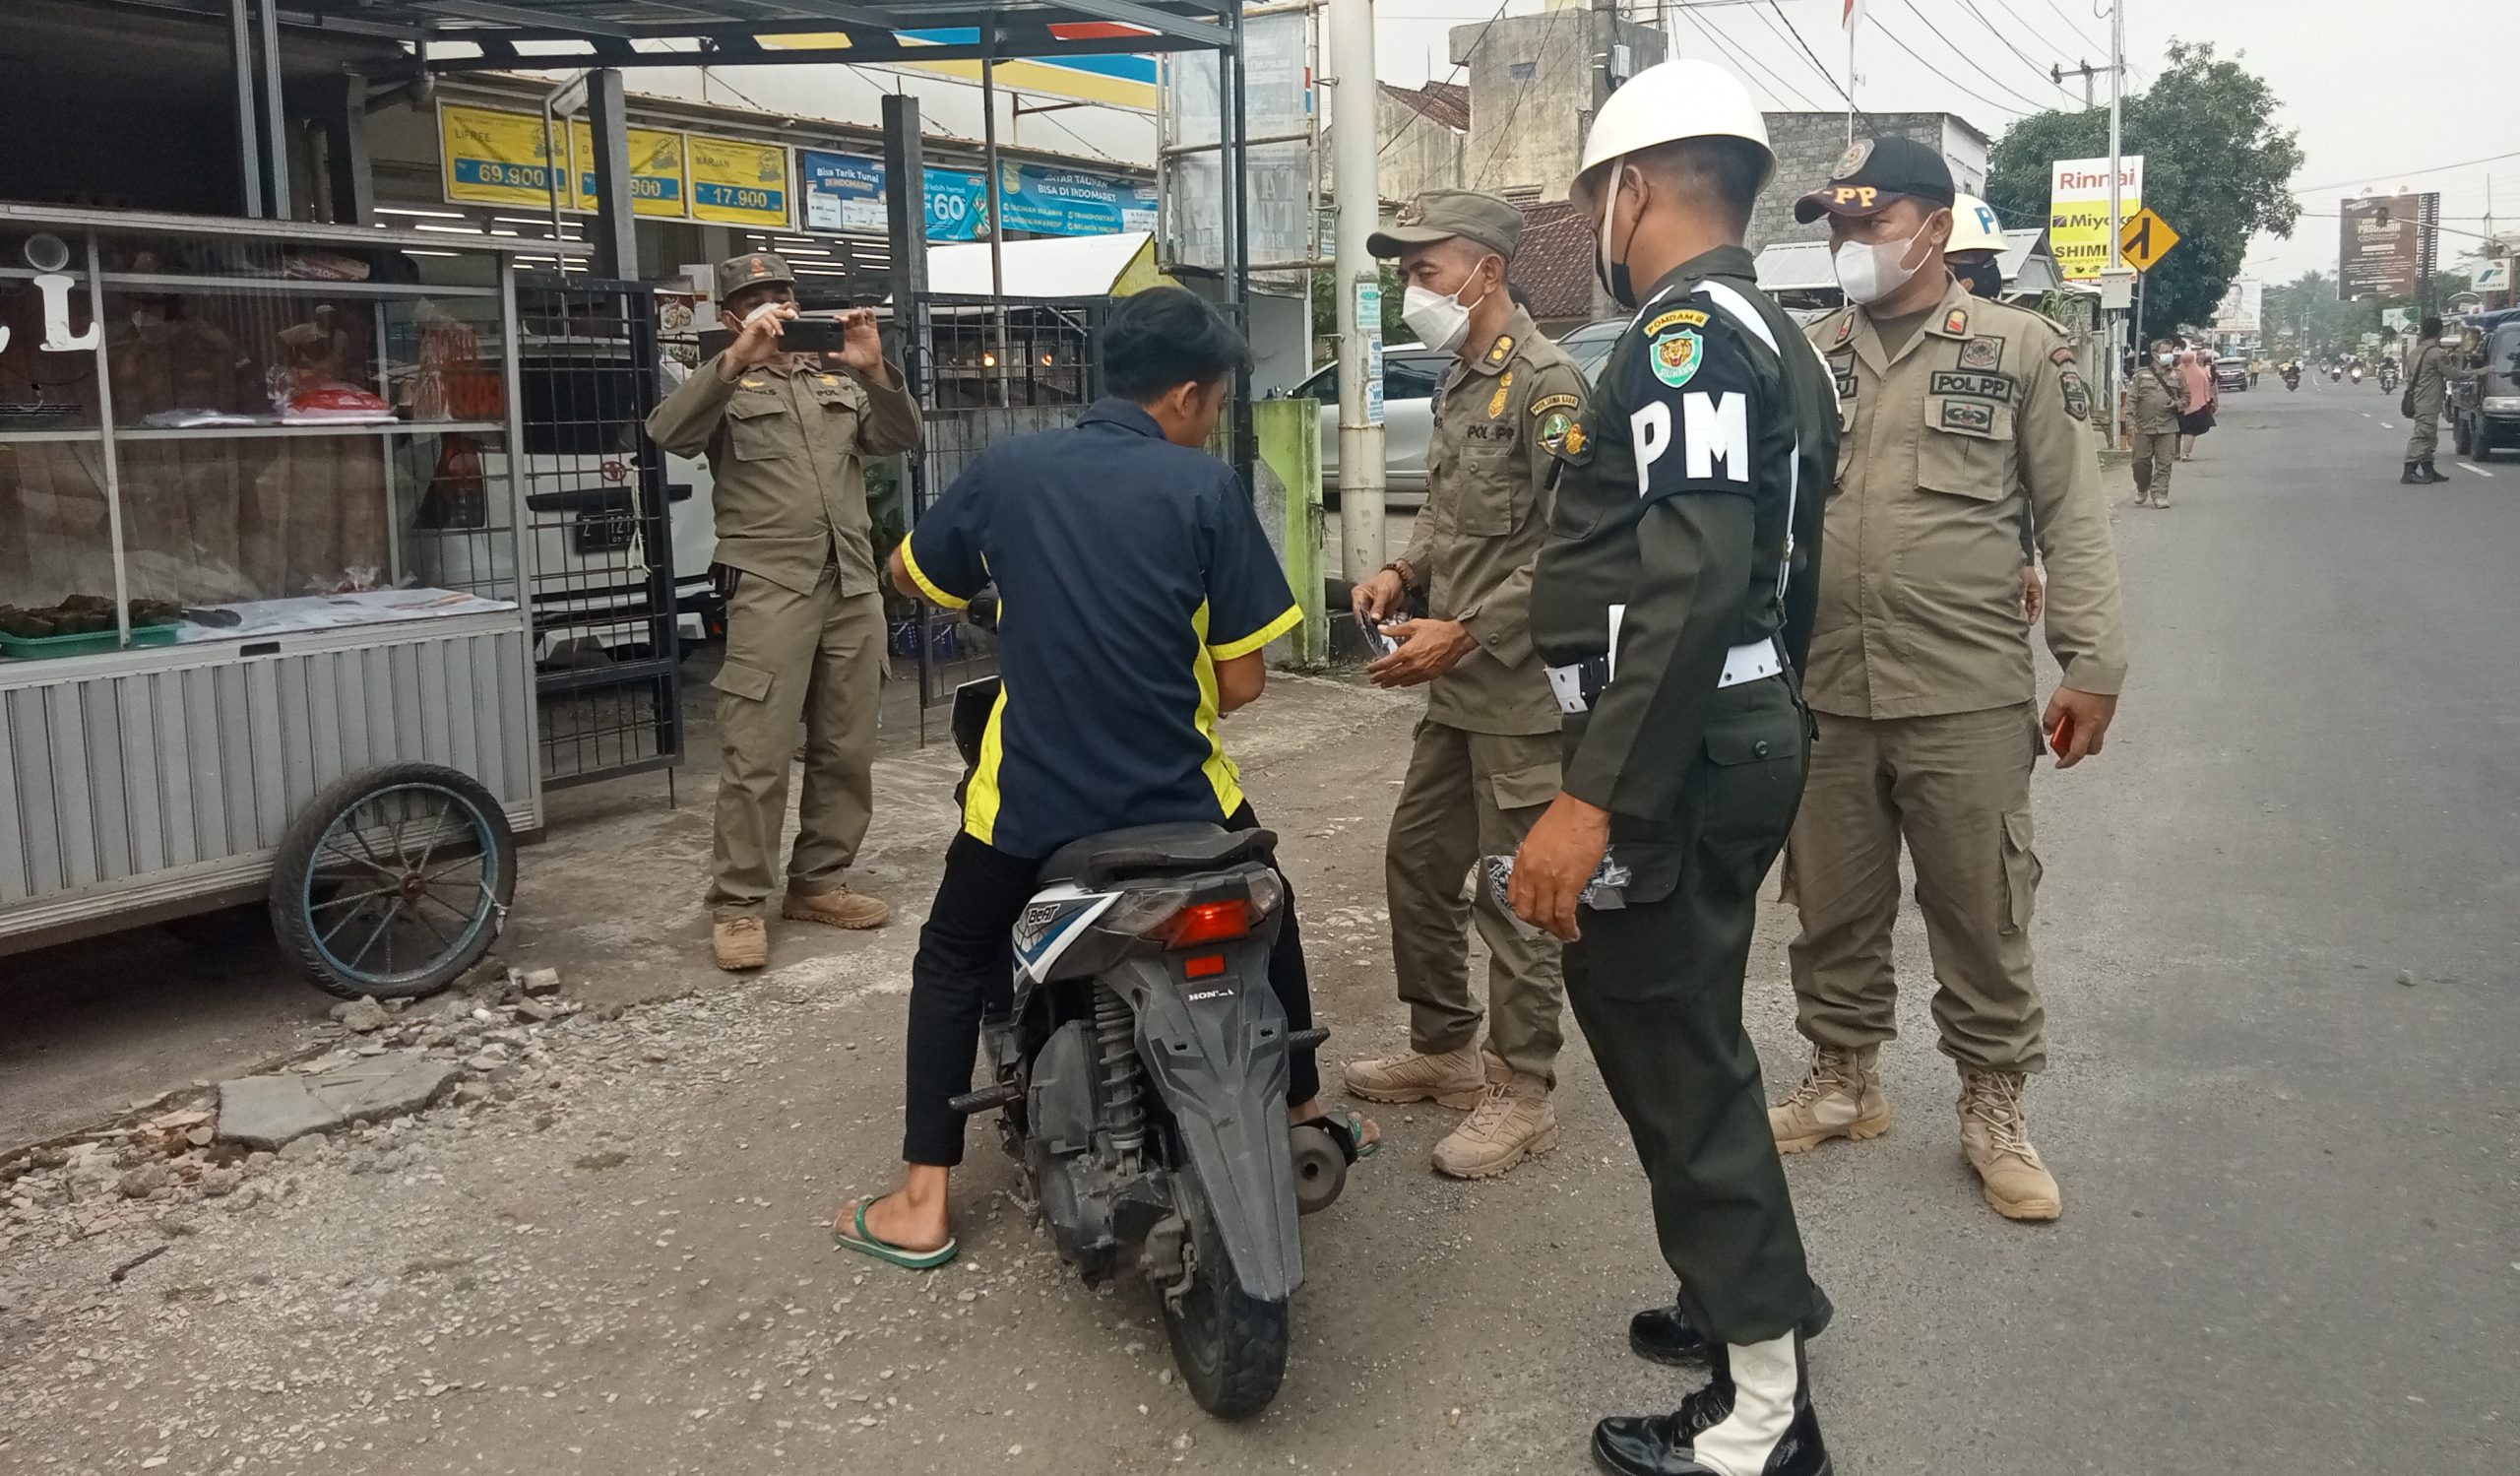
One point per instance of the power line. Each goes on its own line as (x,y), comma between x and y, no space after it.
(2031,32)
(1810,55)
(2070,27)
(2036,70)
(1467,53)
(2312,189)
(1940,72)
(1744,55)
(1990,76)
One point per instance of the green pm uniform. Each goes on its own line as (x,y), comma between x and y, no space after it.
(1485,759)
(1949,425)
(1694,477)
(787,444)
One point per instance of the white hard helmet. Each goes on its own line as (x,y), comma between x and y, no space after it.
(1973,226)
(1680,99)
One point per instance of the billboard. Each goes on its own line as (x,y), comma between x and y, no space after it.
(2078,212)
(2386,244)
(846,192)
(2243,305)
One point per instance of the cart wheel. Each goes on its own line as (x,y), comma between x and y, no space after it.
(394,881)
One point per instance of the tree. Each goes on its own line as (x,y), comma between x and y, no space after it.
(2215,166)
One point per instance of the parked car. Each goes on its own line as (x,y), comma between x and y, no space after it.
(2231,372)
(1409,374)
(2485,412)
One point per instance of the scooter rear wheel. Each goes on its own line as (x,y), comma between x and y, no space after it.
(1230,1347)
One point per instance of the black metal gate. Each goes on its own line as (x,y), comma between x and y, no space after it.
(598,515)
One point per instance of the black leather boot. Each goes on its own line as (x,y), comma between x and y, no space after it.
(1768,1429)
(2430,470)
(2408,477)
(1665,1335)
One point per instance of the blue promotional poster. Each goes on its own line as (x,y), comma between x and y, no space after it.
(846,192)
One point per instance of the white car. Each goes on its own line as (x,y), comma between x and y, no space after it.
(1409,374)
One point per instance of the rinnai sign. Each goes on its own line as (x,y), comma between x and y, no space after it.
(2078,212)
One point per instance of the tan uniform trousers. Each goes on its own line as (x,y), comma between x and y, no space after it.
(791,656)
(2156,452)
(1956,788)
(2423,442)
(1470,795)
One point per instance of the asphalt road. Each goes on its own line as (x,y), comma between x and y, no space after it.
(2277,935)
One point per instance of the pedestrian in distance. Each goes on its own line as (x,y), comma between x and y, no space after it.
(2160,395)
(1669,601)
(1957,413)
(1484,761)
(787,436)
(2427,388)
(2196,372)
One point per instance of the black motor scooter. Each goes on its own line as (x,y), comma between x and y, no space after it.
(1141,1081)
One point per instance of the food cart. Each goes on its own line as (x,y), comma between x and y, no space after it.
(261,629)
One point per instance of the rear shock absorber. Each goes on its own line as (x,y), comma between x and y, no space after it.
(1115,1041)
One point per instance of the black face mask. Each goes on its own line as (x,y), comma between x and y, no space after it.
(1983,279)
(1613,275)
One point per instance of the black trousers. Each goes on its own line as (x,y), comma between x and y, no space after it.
(1656,986)
(966,968)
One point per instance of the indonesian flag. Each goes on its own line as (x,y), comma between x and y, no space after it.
(1850,14)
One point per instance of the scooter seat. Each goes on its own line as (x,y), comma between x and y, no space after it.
(1097,860)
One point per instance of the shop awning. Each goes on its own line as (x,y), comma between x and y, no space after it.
(460,36)
(1081,265)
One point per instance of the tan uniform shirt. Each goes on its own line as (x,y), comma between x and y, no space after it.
(1488,482)
(788,447)
(1938,447)
(2428,377)
(2160,395)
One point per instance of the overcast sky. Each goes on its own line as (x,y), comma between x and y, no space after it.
(2352,75)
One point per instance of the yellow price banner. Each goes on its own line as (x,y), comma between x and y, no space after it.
(739,183)
(658,177)
(493,158)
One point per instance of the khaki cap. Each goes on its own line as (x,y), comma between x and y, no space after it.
(1441,215)
(751,270)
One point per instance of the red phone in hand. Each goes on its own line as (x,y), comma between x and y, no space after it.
(2062,735)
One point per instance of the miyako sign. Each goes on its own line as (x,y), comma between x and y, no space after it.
(2078,212)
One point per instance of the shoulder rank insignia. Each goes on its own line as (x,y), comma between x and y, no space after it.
(1496,401)
(1956,322)
(1845,326)
(1504,347)
(1674,357)
(754,384)
(1678,318)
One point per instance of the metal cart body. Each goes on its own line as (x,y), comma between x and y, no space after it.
(149,782)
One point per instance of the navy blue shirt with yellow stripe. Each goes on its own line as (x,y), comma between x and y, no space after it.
(1126,569)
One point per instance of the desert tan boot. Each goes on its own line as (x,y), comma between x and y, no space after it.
(1840,1097)
(1457,1078)
(839,907)
(1997,1138)
(1513,1120)
(741,944)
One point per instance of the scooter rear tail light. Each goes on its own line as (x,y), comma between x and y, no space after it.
(1205,966)
(1209,923)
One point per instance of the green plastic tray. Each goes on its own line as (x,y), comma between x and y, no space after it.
(38,648)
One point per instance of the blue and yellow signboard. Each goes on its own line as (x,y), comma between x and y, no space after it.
(492,157)
(739,183)
(657,171)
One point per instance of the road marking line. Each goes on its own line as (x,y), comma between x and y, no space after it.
(2366,414)
(2463,466)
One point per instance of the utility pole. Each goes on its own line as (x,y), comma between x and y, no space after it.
(2117,177)
(1354,156)
(1604,39)
(2086,71)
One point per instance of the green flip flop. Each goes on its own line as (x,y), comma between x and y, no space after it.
(866,1242)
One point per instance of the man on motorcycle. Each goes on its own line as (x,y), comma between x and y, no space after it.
(1140,592)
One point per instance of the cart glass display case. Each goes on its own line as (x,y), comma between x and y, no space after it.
(257,535)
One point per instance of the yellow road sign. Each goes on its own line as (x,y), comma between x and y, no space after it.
(2146,239)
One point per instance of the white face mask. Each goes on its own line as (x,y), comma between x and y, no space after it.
(1872,272)
(1438,320)
(2162,359)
